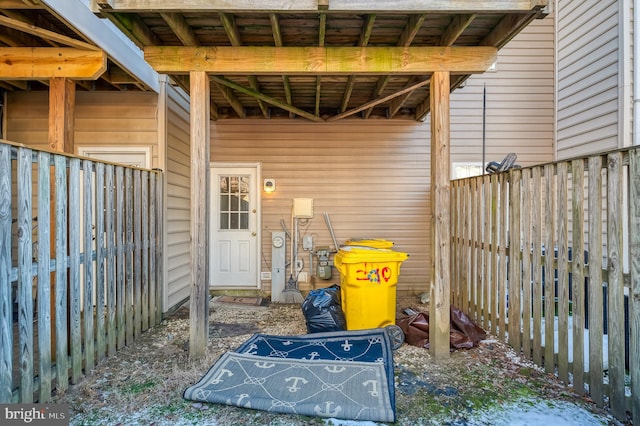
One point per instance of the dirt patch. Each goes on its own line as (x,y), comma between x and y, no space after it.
(144,382)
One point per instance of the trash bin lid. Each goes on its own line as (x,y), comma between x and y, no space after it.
(360,254)
(370,242)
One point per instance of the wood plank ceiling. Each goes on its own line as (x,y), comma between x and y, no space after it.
(321,60)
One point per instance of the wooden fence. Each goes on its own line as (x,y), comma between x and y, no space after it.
(80,266)
(548,259)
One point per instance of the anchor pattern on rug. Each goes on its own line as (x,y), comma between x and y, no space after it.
(346,375)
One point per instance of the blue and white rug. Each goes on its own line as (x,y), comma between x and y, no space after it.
(343,374)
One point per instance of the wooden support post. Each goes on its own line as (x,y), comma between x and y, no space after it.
(439,307)
(199,305)
(62,100)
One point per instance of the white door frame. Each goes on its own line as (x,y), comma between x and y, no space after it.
(258,216)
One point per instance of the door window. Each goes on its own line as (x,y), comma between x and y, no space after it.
(234,203)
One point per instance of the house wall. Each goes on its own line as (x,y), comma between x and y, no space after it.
(371,177)
(519,103)
(101,119)
(588,53)
(174,107)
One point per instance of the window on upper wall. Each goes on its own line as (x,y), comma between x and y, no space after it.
(463,170)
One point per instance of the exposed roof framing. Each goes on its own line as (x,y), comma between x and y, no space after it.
(37,44)
(315,59)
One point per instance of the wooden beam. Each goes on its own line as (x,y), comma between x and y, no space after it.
(180,28)
(253,82)
(320,60)
(267,99)
(455,29)
(232,99)
(351,82)
(45,34)
(509,26)
(322,29)
(397,102)
(29,63)
(214,5)
(134,28)
(439,305)
(62,100)
(378,101)
(231,29)
(426,6)
(200,158)
(277,39)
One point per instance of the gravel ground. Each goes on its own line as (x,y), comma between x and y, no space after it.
(489,384)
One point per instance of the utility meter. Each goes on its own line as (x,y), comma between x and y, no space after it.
(324,267)
(278,241)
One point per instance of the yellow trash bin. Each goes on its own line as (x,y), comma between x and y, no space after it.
(370,242)
(368,278)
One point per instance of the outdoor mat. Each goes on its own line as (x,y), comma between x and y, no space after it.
(344,374)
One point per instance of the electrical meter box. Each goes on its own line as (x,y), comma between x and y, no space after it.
(303,208)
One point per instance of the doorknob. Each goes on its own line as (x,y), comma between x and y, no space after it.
(253,234)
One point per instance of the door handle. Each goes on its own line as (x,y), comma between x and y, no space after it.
(253,234)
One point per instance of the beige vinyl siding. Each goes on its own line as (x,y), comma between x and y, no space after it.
(587,77)
(101,119)
(519,103)
(371,177)
(177,198)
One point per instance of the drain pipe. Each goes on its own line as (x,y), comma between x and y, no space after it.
(635,134)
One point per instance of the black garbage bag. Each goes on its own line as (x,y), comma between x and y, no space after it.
(322,310)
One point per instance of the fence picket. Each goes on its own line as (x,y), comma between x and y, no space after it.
(44,281)
(549,288)
(634,294)
(577,269)
(87,264)
(596,328)
(526,262)
(536,261)
(563,277)
(99,265)
(616,285)
(75,234)
(6,300)
(144,221)
(110,262)
(61,277)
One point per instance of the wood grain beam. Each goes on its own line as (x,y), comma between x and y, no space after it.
(32,63)
(277,38)
(45,34)
(230,27)
(134,28)
(232,99)
(200,157)
(455,29)
(268,99)
(427,6)
(378,101)
(262,60)
(397,102)
(351,82)
(509,26)
(253,82)
(322,30)
(439,306)
(406,38)
(180,28)
(214,5)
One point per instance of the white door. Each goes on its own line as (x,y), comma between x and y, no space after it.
(233,248)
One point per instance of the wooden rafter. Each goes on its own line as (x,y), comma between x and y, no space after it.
(455,28)
(320,60)
(266,98)
(322,28)
(134,28)
(364,40)
(277,38)
(406,38)
(180,28)
(45,34)
(33,63)
(371,104)
(231,98)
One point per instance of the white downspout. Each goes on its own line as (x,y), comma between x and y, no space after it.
(635,134)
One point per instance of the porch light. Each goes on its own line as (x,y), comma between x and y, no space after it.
(269,185)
